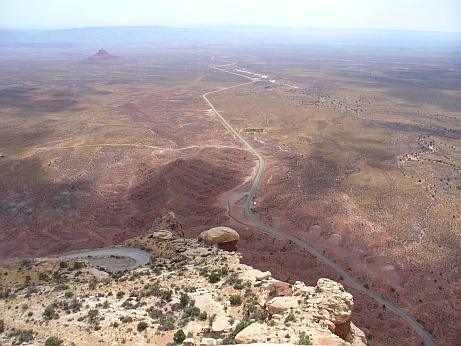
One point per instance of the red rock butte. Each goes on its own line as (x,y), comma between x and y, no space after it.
(101,56)
(102,53)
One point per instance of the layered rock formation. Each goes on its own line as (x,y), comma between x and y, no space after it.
(192,293)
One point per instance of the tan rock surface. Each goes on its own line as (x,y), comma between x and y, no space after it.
(279,305)
(218,235)
(255,332)
(187,286)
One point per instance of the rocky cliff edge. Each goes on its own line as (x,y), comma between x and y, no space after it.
(193,293)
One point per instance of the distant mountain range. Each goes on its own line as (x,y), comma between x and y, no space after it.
(161,36)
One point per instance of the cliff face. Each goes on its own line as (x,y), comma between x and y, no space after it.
(192,293)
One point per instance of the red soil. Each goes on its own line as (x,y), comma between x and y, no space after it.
(120,203)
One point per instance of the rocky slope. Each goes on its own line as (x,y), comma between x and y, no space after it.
(193,292)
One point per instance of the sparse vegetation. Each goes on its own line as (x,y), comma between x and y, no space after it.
(179,336)
(50,312)
(93,314)
(214,277)
(78,265)
(4,293)
(192,311)
(290,317)
(166,295)
(203,316)
(142,326)
(22,335)
(184,300)
(235,299)
(167,323)
(304,340)
(53,341)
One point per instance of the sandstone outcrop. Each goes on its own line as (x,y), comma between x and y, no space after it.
(224,237)
(190,288)
(279,305)
(255,332)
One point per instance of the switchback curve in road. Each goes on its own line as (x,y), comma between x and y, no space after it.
(267,229)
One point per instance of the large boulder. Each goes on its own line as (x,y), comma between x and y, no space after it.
(255,332)
(208,342)
(224,237)
(255,275)
(279,305)
(189,342)
(221,324)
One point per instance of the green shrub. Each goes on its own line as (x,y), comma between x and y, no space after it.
(184,300)
(155,314)
(92,314)
(2,326)
(179,336)
(167,323)
(223,271)
(235,299)
(53,341)
(50,312)
(290,318)
(126,319)
(304,340)
(142,326)
(166,295)
(4,294)
(152,289)
(202,316)
(25,336)
(92,284)
(78,265)
(214,277)
(192,311)
(120,295)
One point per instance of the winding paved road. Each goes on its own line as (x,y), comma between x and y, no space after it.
(255,221)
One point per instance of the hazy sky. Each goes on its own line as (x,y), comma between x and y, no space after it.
(438,15)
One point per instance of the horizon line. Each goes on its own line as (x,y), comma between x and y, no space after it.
(235,26)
